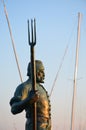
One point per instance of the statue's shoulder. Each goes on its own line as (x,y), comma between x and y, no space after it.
(17,94)
(20,88)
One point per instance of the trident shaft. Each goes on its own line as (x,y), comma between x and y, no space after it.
(32,43)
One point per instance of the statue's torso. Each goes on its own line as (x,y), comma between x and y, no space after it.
(43,106)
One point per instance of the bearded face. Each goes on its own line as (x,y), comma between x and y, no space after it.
(40,75)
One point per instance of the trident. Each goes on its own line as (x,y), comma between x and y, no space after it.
(32,43)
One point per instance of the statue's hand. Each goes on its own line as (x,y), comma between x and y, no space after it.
(33,96)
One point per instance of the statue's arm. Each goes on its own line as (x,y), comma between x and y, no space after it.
(19,106)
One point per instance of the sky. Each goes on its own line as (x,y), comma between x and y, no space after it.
(56,27)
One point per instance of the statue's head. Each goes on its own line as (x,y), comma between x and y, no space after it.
(40,75)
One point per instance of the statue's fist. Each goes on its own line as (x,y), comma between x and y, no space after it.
(34,95)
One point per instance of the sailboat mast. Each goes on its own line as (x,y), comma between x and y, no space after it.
(75,73)
(15,54)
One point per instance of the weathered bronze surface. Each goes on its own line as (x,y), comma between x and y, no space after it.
(24,97)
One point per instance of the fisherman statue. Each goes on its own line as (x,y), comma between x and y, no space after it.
(25,97)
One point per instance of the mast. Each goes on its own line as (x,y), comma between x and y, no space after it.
(13,45)
(75,74)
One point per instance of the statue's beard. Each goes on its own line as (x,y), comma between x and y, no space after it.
(40,80)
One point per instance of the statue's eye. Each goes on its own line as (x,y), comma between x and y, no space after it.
(42,71)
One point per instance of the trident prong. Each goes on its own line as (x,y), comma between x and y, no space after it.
(32,33)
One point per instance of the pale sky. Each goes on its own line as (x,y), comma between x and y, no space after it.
(56,23)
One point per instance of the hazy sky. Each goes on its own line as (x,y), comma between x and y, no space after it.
(56,23)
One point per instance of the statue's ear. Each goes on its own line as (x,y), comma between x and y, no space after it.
(38,73)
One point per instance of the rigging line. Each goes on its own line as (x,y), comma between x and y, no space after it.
(59,70)
(6,14)
(60,66)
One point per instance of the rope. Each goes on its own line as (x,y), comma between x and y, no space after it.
(6,14)
(58,70)
(60,66)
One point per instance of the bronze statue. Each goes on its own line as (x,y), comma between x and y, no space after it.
(24,99)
